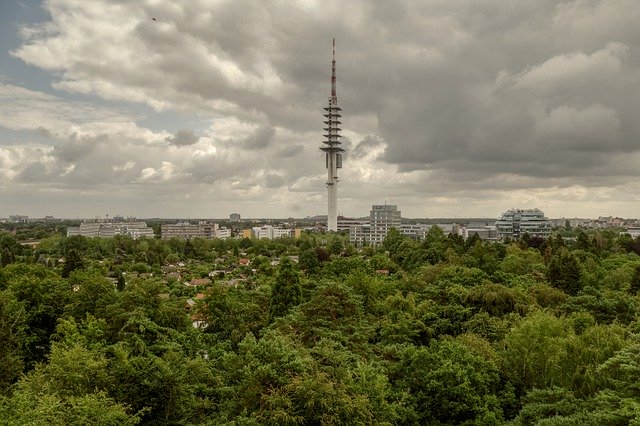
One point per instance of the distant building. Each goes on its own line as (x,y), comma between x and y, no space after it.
(416,231)
(634,232)
(345,223)
(18,218)
(516,222)
(270,232)
(223,233)
(381,219)
(235,217)
(134,230)
(486,233)
(186,230)
(183,230)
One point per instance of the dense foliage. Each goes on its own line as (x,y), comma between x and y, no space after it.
(314,331)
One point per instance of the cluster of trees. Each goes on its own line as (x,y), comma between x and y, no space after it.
(440,331)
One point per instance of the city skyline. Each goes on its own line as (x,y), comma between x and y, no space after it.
(192,110)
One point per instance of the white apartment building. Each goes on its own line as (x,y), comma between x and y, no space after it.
(634,232)
(345,223)
(270,232)
(134,230)
(416,231)
(186,230)
(223,233)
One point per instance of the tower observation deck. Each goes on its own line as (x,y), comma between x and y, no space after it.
(333,151)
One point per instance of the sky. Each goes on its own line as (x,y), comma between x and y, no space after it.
(199,108)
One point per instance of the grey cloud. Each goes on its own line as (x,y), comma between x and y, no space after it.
(366,145)
(290,151)
(45,133)
(260,139)
(75,147)
(33,173)
(480,95)
(273,180)
(183,138)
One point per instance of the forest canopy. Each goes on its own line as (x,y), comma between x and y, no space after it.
(316,331)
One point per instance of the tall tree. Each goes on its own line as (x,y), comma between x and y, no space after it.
(635,281)
(71,262)
(565,272)
(286,292)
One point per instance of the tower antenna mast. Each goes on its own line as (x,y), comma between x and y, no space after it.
(333,151)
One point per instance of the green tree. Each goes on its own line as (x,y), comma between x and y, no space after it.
(448,384)
(309,261)
(565,272)
(534,350)
(286,292)
(72,262)
(13,320)
(635,281)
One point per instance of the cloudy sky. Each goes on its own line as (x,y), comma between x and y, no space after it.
(199,108)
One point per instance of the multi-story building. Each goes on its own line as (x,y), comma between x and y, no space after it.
(223,233)
(381,219)
(360,234)
(634,232)
(134,230)
(516,222)
(186,230)
(487,233)
(345,223)
(270,232)
(417,231)
(18,218)
(235,217)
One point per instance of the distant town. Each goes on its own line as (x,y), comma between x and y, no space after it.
(365,230)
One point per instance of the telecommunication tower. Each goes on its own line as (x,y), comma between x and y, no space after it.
(333,151)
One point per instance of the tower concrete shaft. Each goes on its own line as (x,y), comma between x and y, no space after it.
(333,151)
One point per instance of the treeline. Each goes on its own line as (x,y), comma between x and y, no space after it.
(316,331)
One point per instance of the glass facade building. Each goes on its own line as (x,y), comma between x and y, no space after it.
(516,222)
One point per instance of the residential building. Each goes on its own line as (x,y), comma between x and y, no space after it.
(134,230)
(223,233)
(516,222)
(345,223)
(270,232)
(18,218)
(634,232)
(186,230)
(360,234)
(486,233)
(415,231)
